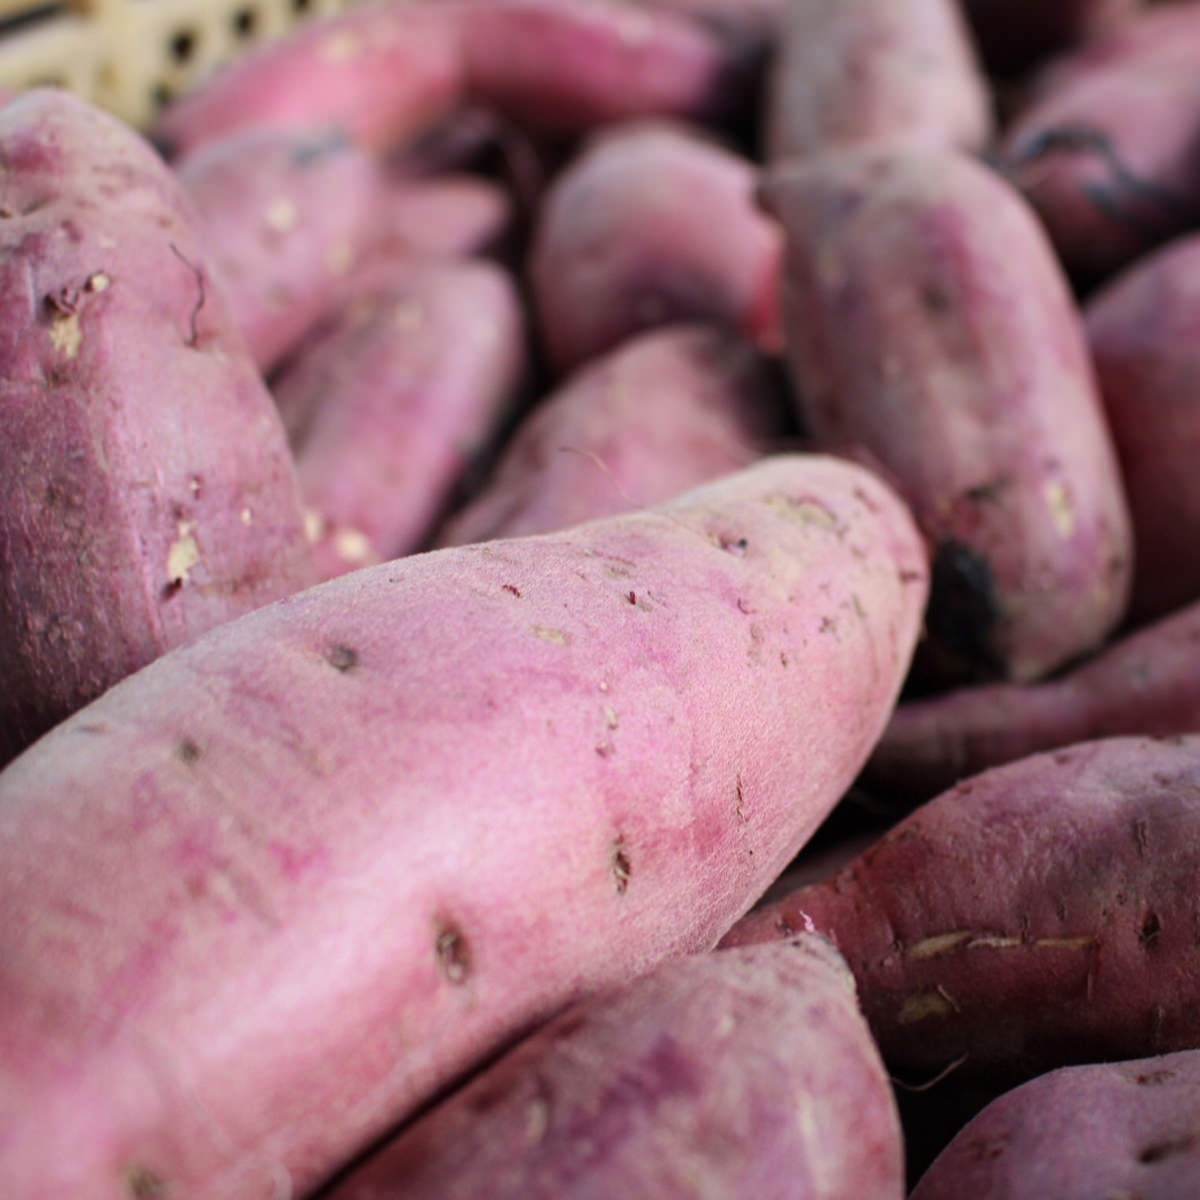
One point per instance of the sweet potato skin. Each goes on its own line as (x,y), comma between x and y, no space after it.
(902,337)
(1037,915)
(1147,682)
(667,411)
(686,1083)
(624,242)
(149,494)
(1143,329)
(855,71)
(395,397)
(1107,1129)
(307,840)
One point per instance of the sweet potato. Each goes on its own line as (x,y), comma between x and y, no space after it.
(666,412)
(854,71)
(901,268)
(1147,682)
(742,1073)
(451,216)
(395,396)
(1143,329)
(625,241)
(271,894)
(149,494)
(1037,915)
(1121,1129)
(1109,153)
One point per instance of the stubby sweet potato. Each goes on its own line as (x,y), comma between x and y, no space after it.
(148,490)
(275,891)
(669,410)
(1118,1130)
(1109,150)
(901,268)
(1147,682)
(747,1072)
(853,71)
(626,240)
(395,395)
(1144,333)
(1037,915)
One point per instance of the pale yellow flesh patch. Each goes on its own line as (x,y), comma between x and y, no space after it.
(184,554)
(66,335)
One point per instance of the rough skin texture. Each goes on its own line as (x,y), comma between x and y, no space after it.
(1147,682)
(855,71)
(903,337)
(149,494)
(625,241)
(1114,1130)
(392,401)
(667,411)
(1144,332)
(746,1072)
(1038,915)
(270,895)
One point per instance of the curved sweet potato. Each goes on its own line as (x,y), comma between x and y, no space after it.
(902,334)
(1037,915)
(268,896)
(149,493)
(667,411)
(751,1069)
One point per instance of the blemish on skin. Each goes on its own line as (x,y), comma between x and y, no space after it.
(735,546)
(1150,930)
(453,954)
(281,215)
(632,597)
(805,510)
(141,1183)
(314,525)
(1154,1078)
(1157,1151)
(516,591)
(537,1121)
(993,943)
(726,1025)
(247,516)
(610,717)
(549,635)
(352,545)
(187,751)
(183,554)
(1075,943)
(98,281)
(1062,508)
(921,1005)
(620,866)
(342,658)
(941,943)
(1140,838)
(741,800)
(341,47)
(65,334)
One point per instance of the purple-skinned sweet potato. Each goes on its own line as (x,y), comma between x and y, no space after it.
(1117,1130)
(149,493)
(855,71)
(626,240)
(446,216)
(742,1073)
(1144,333)
(1108,152)
(902,336)
(1147,682)
(277,890)
(393,398)
(665,412)
(1037,915)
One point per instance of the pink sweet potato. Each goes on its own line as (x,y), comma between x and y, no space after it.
(395,396)
(854,71)
(744,1073)
(1144,332)
(149,494)
(1147,682)
(1115,1130)
(378,73)
(903,336)
(669,410)
(1109,152)
(1038,915)
(627,239)
(449,216)
(271,894)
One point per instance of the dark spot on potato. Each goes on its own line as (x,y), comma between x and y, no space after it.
(987,493)
(188,751)
(508,587)
(1168,1147)
(92,727)
(172,589)
(1150,930)
(570,1024)
(1154,1078)
(342,658)
(620,866)
(632,597)
(453,953)
(1140,838)
(964,607)
(737,546)
(908,576)
(935,298)
(141,1183)
(785,927)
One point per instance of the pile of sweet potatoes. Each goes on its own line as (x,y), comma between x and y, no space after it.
(597,601)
